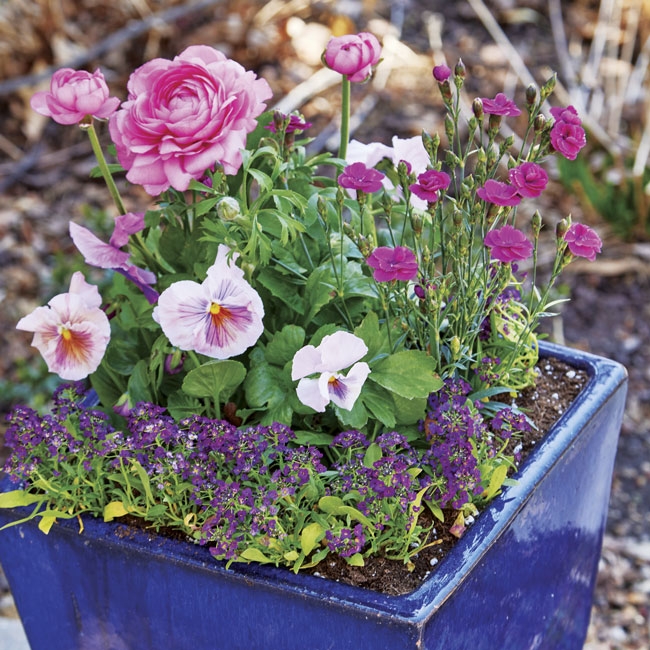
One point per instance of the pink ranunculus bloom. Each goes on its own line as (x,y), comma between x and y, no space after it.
(221,317)
(508,244)
(429,183)
(441,73)
(108,256)
(568,115)
(335,353)
(583,241)
(397,263)
(358,177)
(73,95)
(353,55)
(184,116)
(529,178)
(295,124)
(72,332)
(568,139)
(499,193)
(500,105)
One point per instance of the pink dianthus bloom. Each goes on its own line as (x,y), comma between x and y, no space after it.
(358,177)
(568,139)
(568,115)
(335,353)
(529,179)
(583,241)
(397,263)
(499,193)
(72,332)
(221,317)
(508,244)
(353,55)
(184,116)
(109,256)
(500,105)
(429,183)
(73,95)
(441,73)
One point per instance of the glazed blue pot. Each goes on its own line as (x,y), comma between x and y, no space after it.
(522,577)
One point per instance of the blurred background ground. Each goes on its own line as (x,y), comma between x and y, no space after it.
(600,50)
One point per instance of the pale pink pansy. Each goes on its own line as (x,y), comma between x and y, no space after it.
(220,318)
(72,332)
(108,256)
(335,353)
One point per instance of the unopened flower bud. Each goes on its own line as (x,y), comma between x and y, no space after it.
(322,207)
(445,91)
(449,128)
(454,346)
(174,362)
(560,229)
(536,223)
(278,121)
(531,94)
(228,209)
(458,218)
(540,122)
(477,107)
(427,141)
(495,122)
(417,224)
(459,69)
(548,87)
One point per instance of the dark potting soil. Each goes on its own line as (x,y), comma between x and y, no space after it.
(557,385)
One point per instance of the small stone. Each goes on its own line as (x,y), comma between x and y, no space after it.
(433,561)
(555,396)
(571,374)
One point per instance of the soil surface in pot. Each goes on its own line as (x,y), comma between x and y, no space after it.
(557,385)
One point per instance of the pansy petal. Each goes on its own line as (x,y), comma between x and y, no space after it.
(87,292)
(340,350)
(309,394)
(181,308)
(345,391)
(224,264)
(95,251)
(306,362)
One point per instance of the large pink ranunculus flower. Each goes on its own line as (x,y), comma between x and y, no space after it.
(508,244)
(353,55)
(221,317)
(72,332)
(184,116)
(583,241)
(73,95)
(335,353)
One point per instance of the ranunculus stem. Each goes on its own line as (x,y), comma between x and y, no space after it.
(345,116)
(106,173)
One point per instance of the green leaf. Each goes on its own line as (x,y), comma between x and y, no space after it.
(282,288)
(409,411)
(46,523)
(310,536)
(122,356)
(436,510)
(496,481)
(355,283)
(379,402)
(113,168)
(254,555)
(263,179)
(202,207)
(104,383)
(410,373)
(372,455)
(375,338)
(335,506)
(291,556)
(216,379)
(139,384)
(114,509)
(355,560)
(313,438)
(284,345)
(322,332)
(17,498)
(263,385)
(319,290)
(182,406)
(355,418)
(144,479)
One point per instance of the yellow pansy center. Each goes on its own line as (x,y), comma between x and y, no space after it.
(215,308)
(66,333)
(332,380)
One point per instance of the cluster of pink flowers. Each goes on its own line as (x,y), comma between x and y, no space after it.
(526,180)
(567,134)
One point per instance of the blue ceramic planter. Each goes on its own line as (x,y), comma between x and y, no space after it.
(522,577)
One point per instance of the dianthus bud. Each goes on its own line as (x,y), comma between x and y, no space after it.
(228,209)
(548,87)
(322,207)
(459,69)
(477,107)
(449,129)
(536,223)
(495,122)
(531,94)
(454,346)
(278,121)
(560,229)
(540,122)
(428,143)
(458,218)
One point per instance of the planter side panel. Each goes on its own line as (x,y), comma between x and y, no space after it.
(78,593)
(533,587)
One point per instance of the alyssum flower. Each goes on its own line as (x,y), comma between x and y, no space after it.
(221,317)
(72,332)
(335,353)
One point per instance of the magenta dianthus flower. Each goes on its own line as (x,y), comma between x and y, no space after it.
(499,193)
(184,116)
(73,95)
(568,139)
(568,115)
(397,263)
(429,183)
(358,177)
(500,105)
(441,73)
(583,241)
(529,178)
(508,244)
(353,55)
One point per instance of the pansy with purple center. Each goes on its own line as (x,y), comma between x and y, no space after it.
(500,105)
(358,177)
(335,353)
(429,184)
(499,193)
(397,263)
(109,256)
(508,244)
(529,178)
(583,241)
(221,317)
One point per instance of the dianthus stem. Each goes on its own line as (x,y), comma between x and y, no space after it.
(345,116)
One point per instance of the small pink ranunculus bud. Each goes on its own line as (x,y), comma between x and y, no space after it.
(73,95)
(353,55)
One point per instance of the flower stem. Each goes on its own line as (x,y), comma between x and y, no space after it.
(345,116)
(106,173)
